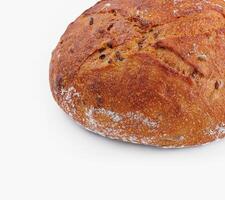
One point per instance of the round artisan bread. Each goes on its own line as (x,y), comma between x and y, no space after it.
(145,71)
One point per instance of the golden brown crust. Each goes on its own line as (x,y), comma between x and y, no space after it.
(144,71)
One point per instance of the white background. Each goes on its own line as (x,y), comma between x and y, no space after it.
(44,155)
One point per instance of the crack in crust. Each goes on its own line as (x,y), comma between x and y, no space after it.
(150,36)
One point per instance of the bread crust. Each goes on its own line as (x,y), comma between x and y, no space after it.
(144,71)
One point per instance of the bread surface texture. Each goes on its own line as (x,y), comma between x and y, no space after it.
(145,71)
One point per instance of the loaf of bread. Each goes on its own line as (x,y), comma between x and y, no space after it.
(145,71)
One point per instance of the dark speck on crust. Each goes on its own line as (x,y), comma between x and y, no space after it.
(110,27)
(118,56)
(218,84)
(140,43)
(58,83)
(71,50)
(110,44)
(99,101)
(102,50)
(156,34)
(110,61)
(102,57)
(91,21)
